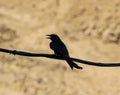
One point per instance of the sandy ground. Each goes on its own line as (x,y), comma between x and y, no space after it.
(91,31)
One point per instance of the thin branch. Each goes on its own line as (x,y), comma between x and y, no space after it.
(22,53)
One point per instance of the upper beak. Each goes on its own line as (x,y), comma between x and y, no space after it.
(48,36)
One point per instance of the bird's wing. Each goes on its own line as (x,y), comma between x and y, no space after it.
(60,48)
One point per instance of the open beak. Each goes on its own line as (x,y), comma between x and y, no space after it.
(48,36)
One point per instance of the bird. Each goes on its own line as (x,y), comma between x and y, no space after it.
(60,49)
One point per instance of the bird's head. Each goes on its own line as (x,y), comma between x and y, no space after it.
(53,37)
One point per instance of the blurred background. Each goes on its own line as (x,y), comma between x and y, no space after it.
(90,30)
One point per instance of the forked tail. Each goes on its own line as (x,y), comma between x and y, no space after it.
(72,64)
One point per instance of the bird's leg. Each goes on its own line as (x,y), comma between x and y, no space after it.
(57,54)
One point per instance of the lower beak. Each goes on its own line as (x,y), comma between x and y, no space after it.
(48,36)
